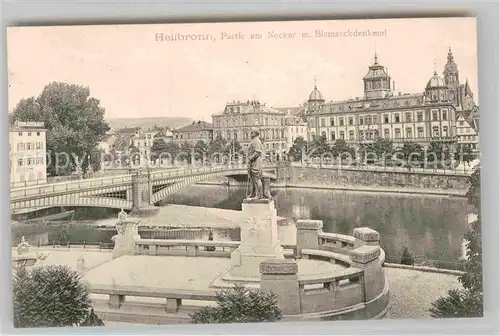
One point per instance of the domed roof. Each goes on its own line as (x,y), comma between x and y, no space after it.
(315,94)
(435,82)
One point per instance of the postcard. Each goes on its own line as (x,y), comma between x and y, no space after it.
(244,172)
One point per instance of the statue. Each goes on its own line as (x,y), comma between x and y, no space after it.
(255,161)
(122,216)
(23,247)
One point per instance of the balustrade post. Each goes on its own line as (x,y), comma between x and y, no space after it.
(173,305)
(279,276)
(115,300)
(307,234)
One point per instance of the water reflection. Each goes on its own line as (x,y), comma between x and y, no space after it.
(431,227)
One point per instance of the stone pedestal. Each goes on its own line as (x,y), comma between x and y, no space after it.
(127,234)
(259,239)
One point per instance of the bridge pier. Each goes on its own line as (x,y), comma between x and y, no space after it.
(142,195)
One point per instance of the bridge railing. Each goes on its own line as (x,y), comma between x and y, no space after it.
(190,248)
(75,185)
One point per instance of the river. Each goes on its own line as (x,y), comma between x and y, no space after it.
(432,227)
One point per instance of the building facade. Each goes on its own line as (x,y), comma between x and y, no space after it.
(420,117)
(278,126)
(200,130)
(27,149)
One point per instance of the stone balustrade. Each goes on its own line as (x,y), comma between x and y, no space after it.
(336,242)
(142,305)
(188,248)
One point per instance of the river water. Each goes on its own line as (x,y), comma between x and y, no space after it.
(432,227)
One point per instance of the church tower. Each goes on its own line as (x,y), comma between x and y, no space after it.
(315,99)
(452,80)
(377,81)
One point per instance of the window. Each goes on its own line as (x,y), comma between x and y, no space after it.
(420,116)
(435,131)
(30,161)
(342,135)
(386,133)
(19,162)
(434,115)
(409,133)
(386,118)
(396,118)
(375,119)
(420,131)
(333,136)
(408,117)
(445,131)
(323,122)
(29,133)
(351,121)
(332,121)
(20,133)
(28,146)
(351,135)
(461,122)
(397,133)
(445,116)
(37,161)
(341,121)
(361,121)
(361,135)
(323,134)
(41,160)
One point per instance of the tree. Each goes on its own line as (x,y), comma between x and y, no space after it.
(319,147)
(412,152)
(201,150)
(164,150)
(185,152)
(341,149)
(74,121)
(50,296)
(233,149)
(464,153)
(383,148)
(468,300)
(298,149)
(217,148)
(438,152)
(240,305)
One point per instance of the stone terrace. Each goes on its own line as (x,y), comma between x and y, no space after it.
(412,292)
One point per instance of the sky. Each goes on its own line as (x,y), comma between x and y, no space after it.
(135,74)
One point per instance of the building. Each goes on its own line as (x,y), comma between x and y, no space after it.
(27,150)
(381,112)
(238,118)
(107,143)
(468,129)
(200,130)
(295,127)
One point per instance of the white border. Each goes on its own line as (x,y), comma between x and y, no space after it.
(112,12)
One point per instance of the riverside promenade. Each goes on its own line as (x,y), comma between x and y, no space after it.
(412,292)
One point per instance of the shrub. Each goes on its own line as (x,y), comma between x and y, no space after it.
(406,258)
(50,296)
(240,305)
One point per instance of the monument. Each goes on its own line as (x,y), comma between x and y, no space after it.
(259,231)
(127,234)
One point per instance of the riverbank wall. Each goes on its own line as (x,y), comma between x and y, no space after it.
(429,183)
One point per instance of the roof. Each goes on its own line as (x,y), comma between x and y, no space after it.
(122,142)
(129,130)
(292,110)
(435,82)
(195,126)
(359,105)
(315,94)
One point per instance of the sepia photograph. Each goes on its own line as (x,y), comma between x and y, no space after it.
(230,172)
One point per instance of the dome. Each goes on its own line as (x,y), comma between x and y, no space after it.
(435,82)
(315,94)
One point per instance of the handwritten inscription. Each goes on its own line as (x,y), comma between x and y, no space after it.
(270,35)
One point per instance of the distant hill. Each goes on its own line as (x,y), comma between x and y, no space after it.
(145,123)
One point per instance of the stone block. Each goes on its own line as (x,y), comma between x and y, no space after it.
(115,300)
(278,266)
(366,234)
(309,224)
(364,254)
